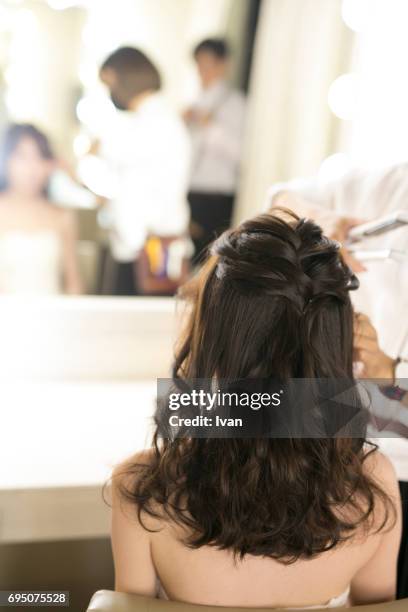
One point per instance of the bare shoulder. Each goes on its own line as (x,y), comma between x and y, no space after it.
(125,479)
(141,458)
(126,474)
(381,468)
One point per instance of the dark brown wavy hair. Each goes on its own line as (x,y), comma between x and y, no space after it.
(272,300)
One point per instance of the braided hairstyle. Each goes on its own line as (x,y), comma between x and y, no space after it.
(271,301)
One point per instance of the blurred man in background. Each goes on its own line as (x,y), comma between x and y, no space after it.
(216,124)
(148,154)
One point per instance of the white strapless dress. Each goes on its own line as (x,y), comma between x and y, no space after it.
(341,601)
(30,263)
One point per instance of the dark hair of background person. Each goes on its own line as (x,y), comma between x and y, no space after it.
(12,137)
(217,46)
(135,73)
(271,301)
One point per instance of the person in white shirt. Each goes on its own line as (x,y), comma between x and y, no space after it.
(216,124)
(148,155)
(381,339)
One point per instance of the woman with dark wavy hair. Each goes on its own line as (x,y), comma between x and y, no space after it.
(287,522)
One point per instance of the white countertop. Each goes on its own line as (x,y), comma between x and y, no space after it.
(78,385)
(60,441)
(70,434)
(86,338)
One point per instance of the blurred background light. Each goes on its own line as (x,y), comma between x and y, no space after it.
(81,144)
(61,5)
(21,74)
(333,168)
(93,173)
(5,18)
(95,111)
(25,20)
(88,74)
(356,13)
(102,41)
(342,96)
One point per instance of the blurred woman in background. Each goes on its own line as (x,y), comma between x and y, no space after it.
(37,239)
(262,522)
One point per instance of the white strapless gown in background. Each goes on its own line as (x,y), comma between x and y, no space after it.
(30,263)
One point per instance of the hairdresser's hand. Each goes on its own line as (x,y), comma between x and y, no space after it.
(188,115)
(194,116)
(367,351)
(94,148)
(339,232)
(205,118)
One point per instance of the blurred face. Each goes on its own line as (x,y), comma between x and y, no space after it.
(210,68)
(109,78)
(27,170)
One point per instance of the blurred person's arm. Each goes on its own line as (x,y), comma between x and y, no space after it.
(131,545)
(225,133)
(307,200)
(70,268)
(389,396)
(222,128)
(376,581)
(367,351)
(190,115)
(64,189)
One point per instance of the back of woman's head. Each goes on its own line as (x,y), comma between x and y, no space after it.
(271,301)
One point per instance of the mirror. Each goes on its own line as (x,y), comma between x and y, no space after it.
(70,160)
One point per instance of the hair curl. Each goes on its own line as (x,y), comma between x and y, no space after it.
(271,301)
